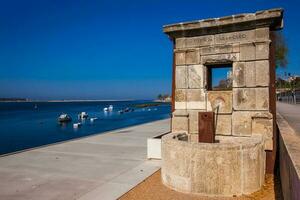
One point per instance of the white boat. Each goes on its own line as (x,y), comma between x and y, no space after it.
(76,125)
(83,115)
(108,109)
(64,118)
(93,119)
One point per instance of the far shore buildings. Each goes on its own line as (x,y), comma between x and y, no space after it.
(238,120)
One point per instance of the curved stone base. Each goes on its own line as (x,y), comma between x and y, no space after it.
(233,166)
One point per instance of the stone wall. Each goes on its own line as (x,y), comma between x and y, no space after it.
(244,110)
(234,166)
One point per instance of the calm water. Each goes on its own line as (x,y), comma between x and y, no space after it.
(22,126)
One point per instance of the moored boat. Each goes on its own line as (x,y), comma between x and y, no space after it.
(64,118)
(83,115)
(76,125)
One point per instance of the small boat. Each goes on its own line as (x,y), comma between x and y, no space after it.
(83,115)
(93,119)
(35,106)
(64,118)
(108,109)
(76,125)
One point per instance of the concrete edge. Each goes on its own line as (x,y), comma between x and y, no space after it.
(79,138)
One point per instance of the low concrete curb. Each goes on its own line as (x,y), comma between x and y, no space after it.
(289,158)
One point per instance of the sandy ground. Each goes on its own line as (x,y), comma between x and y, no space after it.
(152,188)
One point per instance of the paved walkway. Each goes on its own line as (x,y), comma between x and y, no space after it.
(291,113)
(104,166)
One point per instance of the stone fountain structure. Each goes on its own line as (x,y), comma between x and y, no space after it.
(244,145)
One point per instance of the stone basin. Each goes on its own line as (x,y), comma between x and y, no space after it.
(230,167)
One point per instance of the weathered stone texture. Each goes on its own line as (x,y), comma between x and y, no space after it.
(193,121)
(219,101)
(184,57)
(253,167)
(251,98)
(181,77)
(247,52)
(219,58)
(180,58)
(262,50)
(244,74)
(251,74)
(216,49)
(196,167)
(192,57)
(262,34)
(192,42)
(262,74)
(246,123)
(235,37)
(262,124)
(180,121)
(196,76)
(241,123)
(180,99)
(223,124)
(196,99)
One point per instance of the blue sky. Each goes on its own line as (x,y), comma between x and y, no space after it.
(106,49)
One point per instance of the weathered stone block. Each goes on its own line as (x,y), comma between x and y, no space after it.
(262,34)
(180,57)
(235,37)
(180,121)
(243,74)
(262,50)
(223,124)
(220,101)
(244,99)
(181,77)
(250,98)
(264,126)
(262,98)
(247,52)
(191,42)
(196,76)
(246,123)
(262,75)
(241,123)
(252,164)
(196,99)
(192,57)
(216,49)
(235,48)
(220,58)
(193,121)
(180,99)
(251,74)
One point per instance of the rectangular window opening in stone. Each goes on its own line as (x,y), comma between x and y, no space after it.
(219,77)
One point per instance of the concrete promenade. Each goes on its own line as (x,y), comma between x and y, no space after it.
(291,113)
(103,166)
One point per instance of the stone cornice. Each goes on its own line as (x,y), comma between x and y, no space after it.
(267,18)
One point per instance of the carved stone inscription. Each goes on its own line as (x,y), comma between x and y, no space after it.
(242,36)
